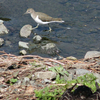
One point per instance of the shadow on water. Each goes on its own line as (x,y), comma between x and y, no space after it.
(79,33)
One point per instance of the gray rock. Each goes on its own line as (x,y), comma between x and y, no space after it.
(74,73)
(81,72)
(1,41)
(23,52)
(32,83)
(50,48)
(25,31)
(91,54)
(37,39)
(26,79)
(3,86)
(14,74)
(47,81)
(45,75)
(23,44)
(97,76)
(3,29)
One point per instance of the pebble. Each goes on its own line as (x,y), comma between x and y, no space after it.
(23,52)
(23,44)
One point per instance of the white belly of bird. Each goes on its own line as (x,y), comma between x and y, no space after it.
(40,21)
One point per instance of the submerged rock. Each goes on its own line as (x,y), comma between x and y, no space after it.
(37,39)
(25,31)
(50,49)
(1,41)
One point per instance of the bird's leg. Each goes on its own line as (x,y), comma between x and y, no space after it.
(35,27)
(49,29)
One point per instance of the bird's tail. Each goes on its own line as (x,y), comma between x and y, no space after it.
(58,20)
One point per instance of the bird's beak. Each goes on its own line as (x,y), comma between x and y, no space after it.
(26,12)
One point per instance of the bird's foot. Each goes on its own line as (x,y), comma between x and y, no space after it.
(50,29)
(35,27)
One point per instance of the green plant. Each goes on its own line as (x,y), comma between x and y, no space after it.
(60,72)
(55,91)
(49,93)
(12,81)
(17,98)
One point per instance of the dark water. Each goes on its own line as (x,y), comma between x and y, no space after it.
(78,34)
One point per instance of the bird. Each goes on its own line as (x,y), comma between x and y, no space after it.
(42,18)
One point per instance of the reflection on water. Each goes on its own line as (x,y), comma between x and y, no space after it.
(79,33)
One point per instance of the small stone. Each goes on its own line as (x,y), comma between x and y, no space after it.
(71,58)
(23,44)
(45,75)
(26,79)
(14,74)
(1,79)
(1,41)
(25,31)
(47,81)
(37,39)
(23,52)
(3,29)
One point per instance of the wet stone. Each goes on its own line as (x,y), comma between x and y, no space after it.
(3,29)
(25,31)
(23,44)
(50,49)
(23,52)
(37,39)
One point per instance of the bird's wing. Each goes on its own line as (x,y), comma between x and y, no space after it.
(44,17)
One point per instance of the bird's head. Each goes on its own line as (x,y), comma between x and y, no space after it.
(29,11)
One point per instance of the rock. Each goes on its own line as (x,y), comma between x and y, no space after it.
(71,58)
(37,39)
(25,31)
(58,57)
(45,75)
(8,43)
(32,83)
(74,73)
(3,29)
(23,44)
(23,52)
(81,72)
(47,81)
(50,49)
(1,41)
(91,54)
(97,76)
(14,74)
(25,81)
